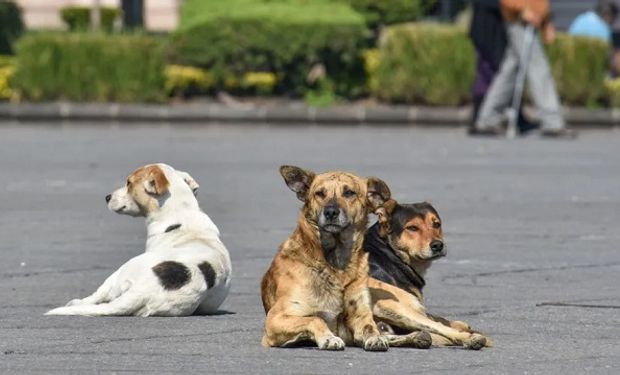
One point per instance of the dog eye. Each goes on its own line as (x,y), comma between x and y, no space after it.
(412,228)
(349,193)
(320,194)
(437,225)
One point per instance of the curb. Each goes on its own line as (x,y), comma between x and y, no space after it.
(288,113)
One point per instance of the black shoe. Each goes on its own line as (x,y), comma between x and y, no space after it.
(563,133)
(477,103)
(488,132)
(526,126)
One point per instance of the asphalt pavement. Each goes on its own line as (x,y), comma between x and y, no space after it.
(531,227)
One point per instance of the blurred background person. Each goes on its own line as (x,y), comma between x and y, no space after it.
(596,23)
(488,35)
(518,14)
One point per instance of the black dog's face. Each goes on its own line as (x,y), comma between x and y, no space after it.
(414,232)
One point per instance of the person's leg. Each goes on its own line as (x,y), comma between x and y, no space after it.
(484,77)
(542,89)
(499,96)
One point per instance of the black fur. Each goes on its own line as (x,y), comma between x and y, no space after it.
(386,266)
(172,227)
(208,272)
(337,248)
(172,275)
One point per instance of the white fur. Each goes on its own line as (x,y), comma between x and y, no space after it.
(134,289)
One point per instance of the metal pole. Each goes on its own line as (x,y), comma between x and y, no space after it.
(524,64)
(95,15)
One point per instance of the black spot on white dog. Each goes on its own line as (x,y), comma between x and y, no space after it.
(172,275)
(208,272)
(172,227)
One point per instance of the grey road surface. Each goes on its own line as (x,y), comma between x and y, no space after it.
(531,226)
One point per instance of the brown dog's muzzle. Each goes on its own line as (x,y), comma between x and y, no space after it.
(332,218)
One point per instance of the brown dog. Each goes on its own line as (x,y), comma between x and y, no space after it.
(401,247)
(316,288)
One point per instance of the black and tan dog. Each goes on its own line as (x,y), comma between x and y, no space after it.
(316,290)
(401,246)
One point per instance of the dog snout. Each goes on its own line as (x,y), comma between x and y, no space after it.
(331,212)
(108,197)
(436,246)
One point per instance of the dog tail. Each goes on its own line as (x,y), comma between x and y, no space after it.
(127,304)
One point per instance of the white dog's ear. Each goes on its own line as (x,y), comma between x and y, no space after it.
(189,180)
(155,182)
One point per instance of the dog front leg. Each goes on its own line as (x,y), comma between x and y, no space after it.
(359,320)
(396,313)
(456,324)
(283,330)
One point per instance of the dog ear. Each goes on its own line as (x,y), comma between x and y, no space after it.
(384,216)
(298,180)
(189,180)
(384,213)
(156,182)
(378,193)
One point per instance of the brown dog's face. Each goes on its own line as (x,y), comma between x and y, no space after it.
(413,231)
(335,201)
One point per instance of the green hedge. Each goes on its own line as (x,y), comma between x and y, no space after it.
(386,12)
(232,37)
(77,18)
(425,64)
(93,67)
(434,64)
(11,26)
(579,66)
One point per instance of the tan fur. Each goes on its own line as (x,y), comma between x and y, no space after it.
(405,309)
(306,298)
(151,176)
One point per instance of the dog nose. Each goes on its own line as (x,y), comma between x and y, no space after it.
(108,197)
(331,212)
(436,246)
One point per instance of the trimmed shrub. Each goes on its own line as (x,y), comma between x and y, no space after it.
(11,25)
(77,18)
(259,83)
(6,60)
(7,69)
(187,80)
(286,38)
(372,59)
(424,64)
(386,12)
(435,65)
(579,66)
(612,90)
(92,67)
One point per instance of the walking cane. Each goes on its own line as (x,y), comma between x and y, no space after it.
(524,63)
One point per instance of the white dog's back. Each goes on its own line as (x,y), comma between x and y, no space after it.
(160,284)
(186,268)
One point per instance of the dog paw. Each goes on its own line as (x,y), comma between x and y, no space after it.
(422,340)
(376,344)
(75,302)
(475,342)
(330,343)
